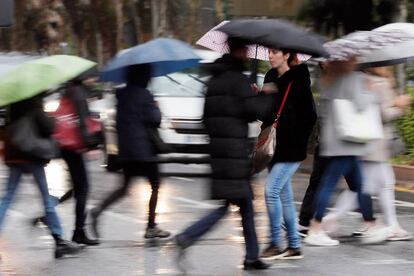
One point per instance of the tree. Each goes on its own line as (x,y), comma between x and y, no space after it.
(338,17)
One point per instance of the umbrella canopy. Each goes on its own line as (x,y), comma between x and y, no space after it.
(217,41)
(400,52)
(363,43)
(275,33)
(36,76)
(165,55)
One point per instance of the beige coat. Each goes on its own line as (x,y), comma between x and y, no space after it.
(383,88)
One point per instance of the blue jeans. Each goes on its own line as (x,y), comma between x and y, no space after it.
(350,167)
(39,174)
(279,201)
(195,231)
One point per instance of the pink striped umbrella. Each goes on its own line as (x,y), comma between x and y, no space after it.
(217,41)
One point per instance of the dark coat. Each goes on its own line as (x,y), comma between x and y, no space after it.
(136,111)
(229,106)
(298,116)
(32,107)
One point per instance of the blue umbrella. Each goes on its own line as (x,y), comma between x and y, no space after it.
(165,55)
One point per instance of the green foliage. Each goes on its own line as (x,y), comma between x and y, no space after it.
(410,72)
(406,127)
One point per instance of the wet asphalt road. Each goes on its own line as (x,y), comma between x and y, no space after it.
(28,250)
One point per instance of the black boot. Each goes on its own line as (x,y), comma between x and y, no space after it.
(64,247)
(79,236)
(255,264)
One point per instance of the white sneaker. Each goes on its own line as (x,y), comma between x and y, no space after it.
(320,239)
(375,235)
(399,235)
(330,223)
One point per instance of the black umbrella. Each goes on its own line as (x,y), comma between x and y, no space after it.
(276,33)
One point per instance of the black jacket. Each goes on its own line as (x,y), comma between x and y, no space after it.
(229,106)
(32,107)
(298,116)
(136,111)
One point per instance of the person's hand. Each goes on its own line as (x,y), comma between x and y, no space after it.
(403,101)
(255,88)
(269,88)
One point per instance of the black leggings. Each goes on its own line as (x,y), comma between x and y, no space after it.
(130,170)
(77,170)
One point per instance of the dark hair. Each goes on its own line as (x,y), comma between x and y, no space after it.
(291,57)
(236,43)
(139,74)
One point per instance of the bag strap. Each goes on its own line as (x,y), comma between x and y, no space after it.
(283,104)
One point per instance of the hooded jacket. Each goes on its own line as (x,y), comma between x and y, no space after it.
(136,111)
(229,106)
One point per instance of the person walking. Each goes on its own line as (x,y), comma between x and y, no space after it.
(294,126)
(230,105)
(379,175)
(21,162)
(340,81)
(76,93)
(138,116)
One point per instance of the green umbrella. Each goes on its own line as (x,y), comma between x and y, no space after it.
(37,76)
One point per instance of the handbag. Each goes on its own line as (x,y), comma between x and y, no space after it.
(354,126)
(266,141)
(67,131)
(25,137)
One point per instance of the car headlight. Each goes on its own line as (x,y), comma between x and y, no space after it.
(51,106)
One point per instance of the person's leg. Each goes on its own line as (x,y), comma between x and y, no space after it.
(249,229)
(194,232)
(52,219)
(336,168)
(77,170)
(365,202)
(110,199)
(289,211)
(307,209)
(278,178)
(116,194)
(15,174)
(154,179)
(153,231)
(387,202)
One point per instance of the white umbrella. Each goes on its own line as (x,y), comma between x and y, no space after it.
(363,43)
(217,41)
(400,52)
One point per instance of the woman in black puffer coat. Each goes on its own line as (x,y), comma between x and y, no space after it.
(230,105)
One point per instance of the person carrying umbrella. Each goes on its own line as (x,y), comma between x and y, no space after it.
(29,144)
(136,112)
(228,110)
(138,117)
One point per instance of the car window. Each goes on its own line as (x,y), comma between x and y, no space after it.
(178,85)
